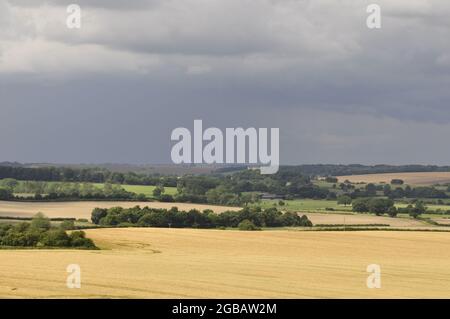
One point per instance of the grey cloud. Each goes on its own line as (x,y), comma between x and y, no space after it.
(338,91)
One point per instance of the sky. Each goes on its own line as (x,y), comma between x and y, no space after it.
(113,90)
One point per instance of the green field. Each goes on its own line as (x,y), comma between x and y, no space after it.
(306,205)
(147,190)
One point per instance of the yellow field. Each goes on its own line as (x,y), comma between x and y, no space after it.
(419,178)
(183,263)
(84,209)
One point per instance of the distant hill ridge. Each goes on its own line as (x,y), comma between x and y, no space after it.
(172,169)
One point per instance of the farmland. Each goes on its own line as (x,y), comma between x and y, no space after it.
(277,262)
(83,209)
(329,206)
(187,263)
(417,178)
(147,190)
(364,219)
(306,205)
(316,210)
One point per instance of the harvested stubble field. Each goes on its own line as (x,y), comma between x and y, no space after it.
(360,219)
(83,209)
(187,263)
(418,178)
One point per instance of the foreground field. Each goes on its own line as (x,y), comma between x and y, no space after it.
(84,209)
(419,178)
(186,263)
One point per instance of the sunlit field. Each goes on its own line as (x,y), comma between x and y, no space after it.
(416,178)
(187,263)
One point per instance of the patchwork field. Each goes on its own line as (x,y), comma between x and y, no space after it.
(83,209)
(419,178)
(187,263)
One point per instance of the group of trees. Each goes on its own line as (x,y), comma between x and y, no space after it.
(40,233)
(372,190)
(377,206)
(415,211)
(416,192)
(151,217)
(242,187)
(381,206)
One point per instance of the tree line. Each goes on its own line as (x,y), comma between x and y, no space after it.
(152,217)
(91,175)
(381,206)
(372,190)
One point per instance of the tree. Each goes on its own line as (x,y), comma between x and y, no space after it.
(55,238)
(78,239)
(158,191)
(380,206)
(247,225)
(418,209)
(360,205)
(304,221)
(40,222)
(97,214)
(67,225)
(392,211)
(344,200)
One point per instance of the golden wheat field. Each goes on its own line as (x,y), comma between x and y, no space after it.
(187,263)
(83,209)
(418,178)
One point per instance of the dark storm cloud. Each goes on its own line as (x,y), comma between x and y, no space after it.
(113,90)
